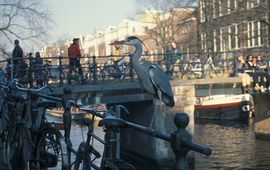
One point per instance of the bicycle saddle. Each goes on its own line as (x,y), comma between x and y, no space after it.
(112,122)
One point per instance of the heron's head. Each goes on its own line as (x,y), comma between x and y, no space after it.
(132,40)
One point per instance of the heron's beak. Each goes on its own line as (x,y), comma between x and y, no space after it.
(117,43)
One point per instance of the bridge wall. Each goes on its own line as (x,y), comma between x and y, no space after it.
(148,147)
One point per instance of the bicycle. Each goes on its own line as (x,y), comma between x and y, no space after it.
(31,131)
(117,69)
(111,155)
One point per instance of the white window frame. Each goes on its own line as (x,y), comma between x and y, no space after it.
(202,14)
(236,36)
(229,6)
(215,40)
(219,8)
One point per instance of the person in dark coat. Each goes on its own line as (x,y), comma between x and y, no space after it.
(38,69)
(17,58)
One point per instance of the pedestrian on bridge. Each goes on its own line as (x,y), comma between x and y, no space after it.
(74,55)
(17,60)
(38,69)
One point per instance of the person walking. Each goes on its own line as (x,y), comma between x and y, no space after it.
(17,60)
(170,58)
(74,55)
(38,69)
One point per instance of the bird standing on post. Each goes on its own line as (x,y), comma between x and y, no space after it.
(154,81)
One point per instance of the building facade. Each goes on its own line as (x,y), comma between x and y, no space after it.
(233,25)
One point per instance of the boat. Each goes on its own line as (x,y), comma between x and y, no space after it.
(76,115)
(224,107)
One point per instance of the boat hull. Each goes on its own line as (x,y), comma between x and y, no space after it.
(228,108)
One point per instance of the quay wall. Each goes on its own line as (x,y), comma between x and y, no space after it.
(262,116)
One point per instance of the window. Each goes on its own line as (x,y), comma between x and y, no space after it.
(263,33)
(224,39)
(229,7)
(254,34)
(250,4)
(250,34)
(216,8)
(243,35)
(232,5)
(216,35)
(232,37)
(203,41)
(224,7)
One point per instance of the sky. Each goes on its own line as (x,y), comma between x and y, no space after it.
(82,17)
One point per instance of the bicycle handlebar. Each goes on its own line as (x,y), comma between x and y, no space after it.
(36,92)
(92,111)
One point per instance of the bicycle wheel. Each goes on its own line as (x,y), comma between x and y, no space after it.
(110,72)
(82,160)
(84,164)
(49,151)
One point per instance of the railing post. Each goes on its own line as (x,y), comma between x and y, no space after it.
(181,121)
(94,69)
(67,118)
(60,70)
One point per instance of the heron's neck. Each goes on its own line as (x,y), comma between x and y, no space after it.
(137,55)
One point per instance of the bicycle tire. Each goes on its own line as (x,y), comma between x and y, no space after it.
(85,164)
(111,72)
(8,148)
(49,153)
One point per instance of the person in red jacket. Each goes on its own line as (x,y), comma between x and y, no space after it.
(74,55)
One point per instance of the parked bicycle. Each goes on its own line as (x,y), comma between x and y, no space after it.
(29,140)
(111,154)
(117,69)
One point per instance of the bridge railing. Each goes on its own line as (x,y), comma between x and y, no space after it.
(98,69)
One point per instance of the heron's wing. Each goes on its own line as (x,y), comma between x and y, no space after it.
(161,81)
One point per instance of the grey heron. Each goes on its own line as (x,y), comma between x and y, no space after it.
(152,78)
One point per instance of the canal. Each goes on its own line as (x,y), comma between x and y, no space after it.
(234,145)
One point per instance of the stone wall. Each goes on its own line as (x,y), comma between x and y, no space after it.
(143,112)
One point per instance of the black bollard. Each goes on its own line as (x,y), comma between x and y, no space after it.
(181,121)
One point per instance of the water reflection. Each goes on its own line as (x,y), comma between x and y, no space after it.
(234,146)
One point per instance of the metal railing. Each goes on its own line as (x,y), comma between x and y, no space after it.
(97,69)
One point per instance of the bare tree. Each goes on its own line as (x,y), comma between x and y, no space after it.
(165,15)
(171,19)
(27,20)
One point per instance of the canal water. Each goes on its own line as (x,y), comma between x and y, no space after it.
(233,145)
